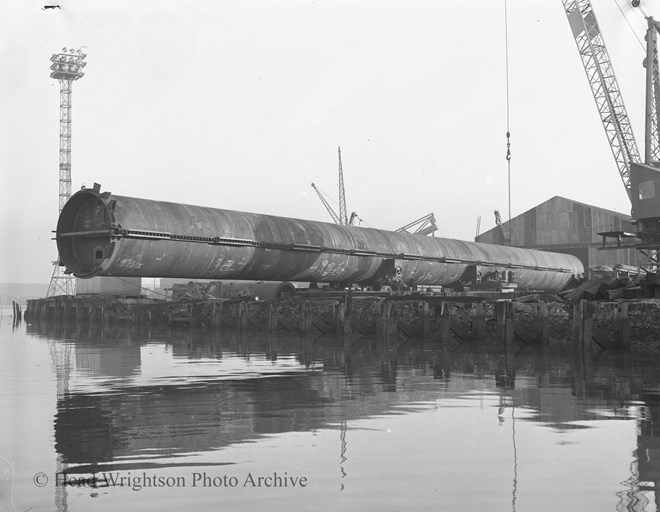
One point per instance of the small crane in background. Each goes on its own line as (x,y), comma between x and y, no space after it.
(342,218)
(423,226)
(506,239)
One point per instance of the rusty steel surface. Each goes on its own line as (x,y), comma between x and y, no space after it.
(110,235)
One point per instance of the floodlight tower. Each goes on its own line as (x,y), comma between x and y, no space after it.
(66,67)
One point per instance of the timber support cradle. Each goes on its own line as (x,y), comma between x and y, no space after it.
(524,320)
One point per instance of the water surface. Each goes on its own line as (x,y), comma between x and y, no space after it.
(180,420)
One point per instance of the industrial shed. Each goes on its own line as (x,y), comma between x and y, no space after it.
(568,226)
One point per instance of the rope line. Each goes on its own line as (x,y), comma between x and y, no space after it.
(508,130)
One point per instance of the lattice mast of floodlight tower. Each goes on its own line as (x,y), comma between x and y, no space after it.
(66,67)
(604,87)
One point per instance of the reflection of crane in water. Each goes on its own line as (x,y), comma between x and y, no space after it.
(6,485)
(505,379)
(632,499)
(342,457)
(508,400)
(61,358)
(343,428)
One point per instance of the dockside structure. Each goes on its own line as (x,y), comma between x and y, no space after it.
(103,234)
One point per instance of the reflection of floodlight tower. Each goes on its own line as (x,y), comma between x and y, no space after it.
(66,67)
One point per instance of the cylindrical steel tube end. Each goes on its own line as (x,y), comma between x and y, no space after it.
(84,231)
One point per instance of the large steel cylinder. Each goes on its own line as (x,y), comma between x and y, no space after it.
(102,234)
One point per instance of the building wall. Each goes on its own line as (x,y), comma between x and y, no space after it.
(566,226)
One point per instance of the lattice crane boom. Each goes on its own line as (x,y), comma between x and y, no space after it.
(332,213)
(423,226)
(343,217)
(505,234)
(604,87)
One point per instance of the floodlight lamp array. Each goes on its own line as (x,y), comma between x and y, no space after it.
(68,64)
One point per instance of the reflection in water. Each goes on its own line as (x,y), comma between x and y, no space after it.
(6,485)
(129,401)
(515,458)
(645,469)
(342,458)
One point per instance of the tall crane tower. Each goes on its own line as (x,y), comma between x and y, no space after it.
(652,129)
(342,218)
(641,180)
(66,67)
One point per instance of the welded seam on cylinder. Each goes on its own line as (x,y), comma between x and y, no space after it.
(240,242)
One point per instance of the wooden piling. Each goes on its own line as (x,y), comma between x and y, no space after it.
(621,326)
(242,316)
(105,315)
(272,319)
(383,321)
(67,311)
(195,315)
(339,318)
(424,319)
(541,324)
(582,325)
(84,314)
(505,326)
(478,327)
(217,314)
(136,315)
(444,324)
(305,318)
(391,319)
(16,312)
(347,326)
(94,314)
(380,319)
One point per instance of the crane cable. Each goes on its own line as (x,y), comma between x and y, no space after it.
(628,22)
(508,131)
(638,4)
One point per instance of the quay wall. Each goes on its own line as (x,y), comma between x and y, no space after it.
(531,319)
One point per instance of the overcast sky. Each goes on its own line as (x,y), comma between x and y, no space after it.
(242,104)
